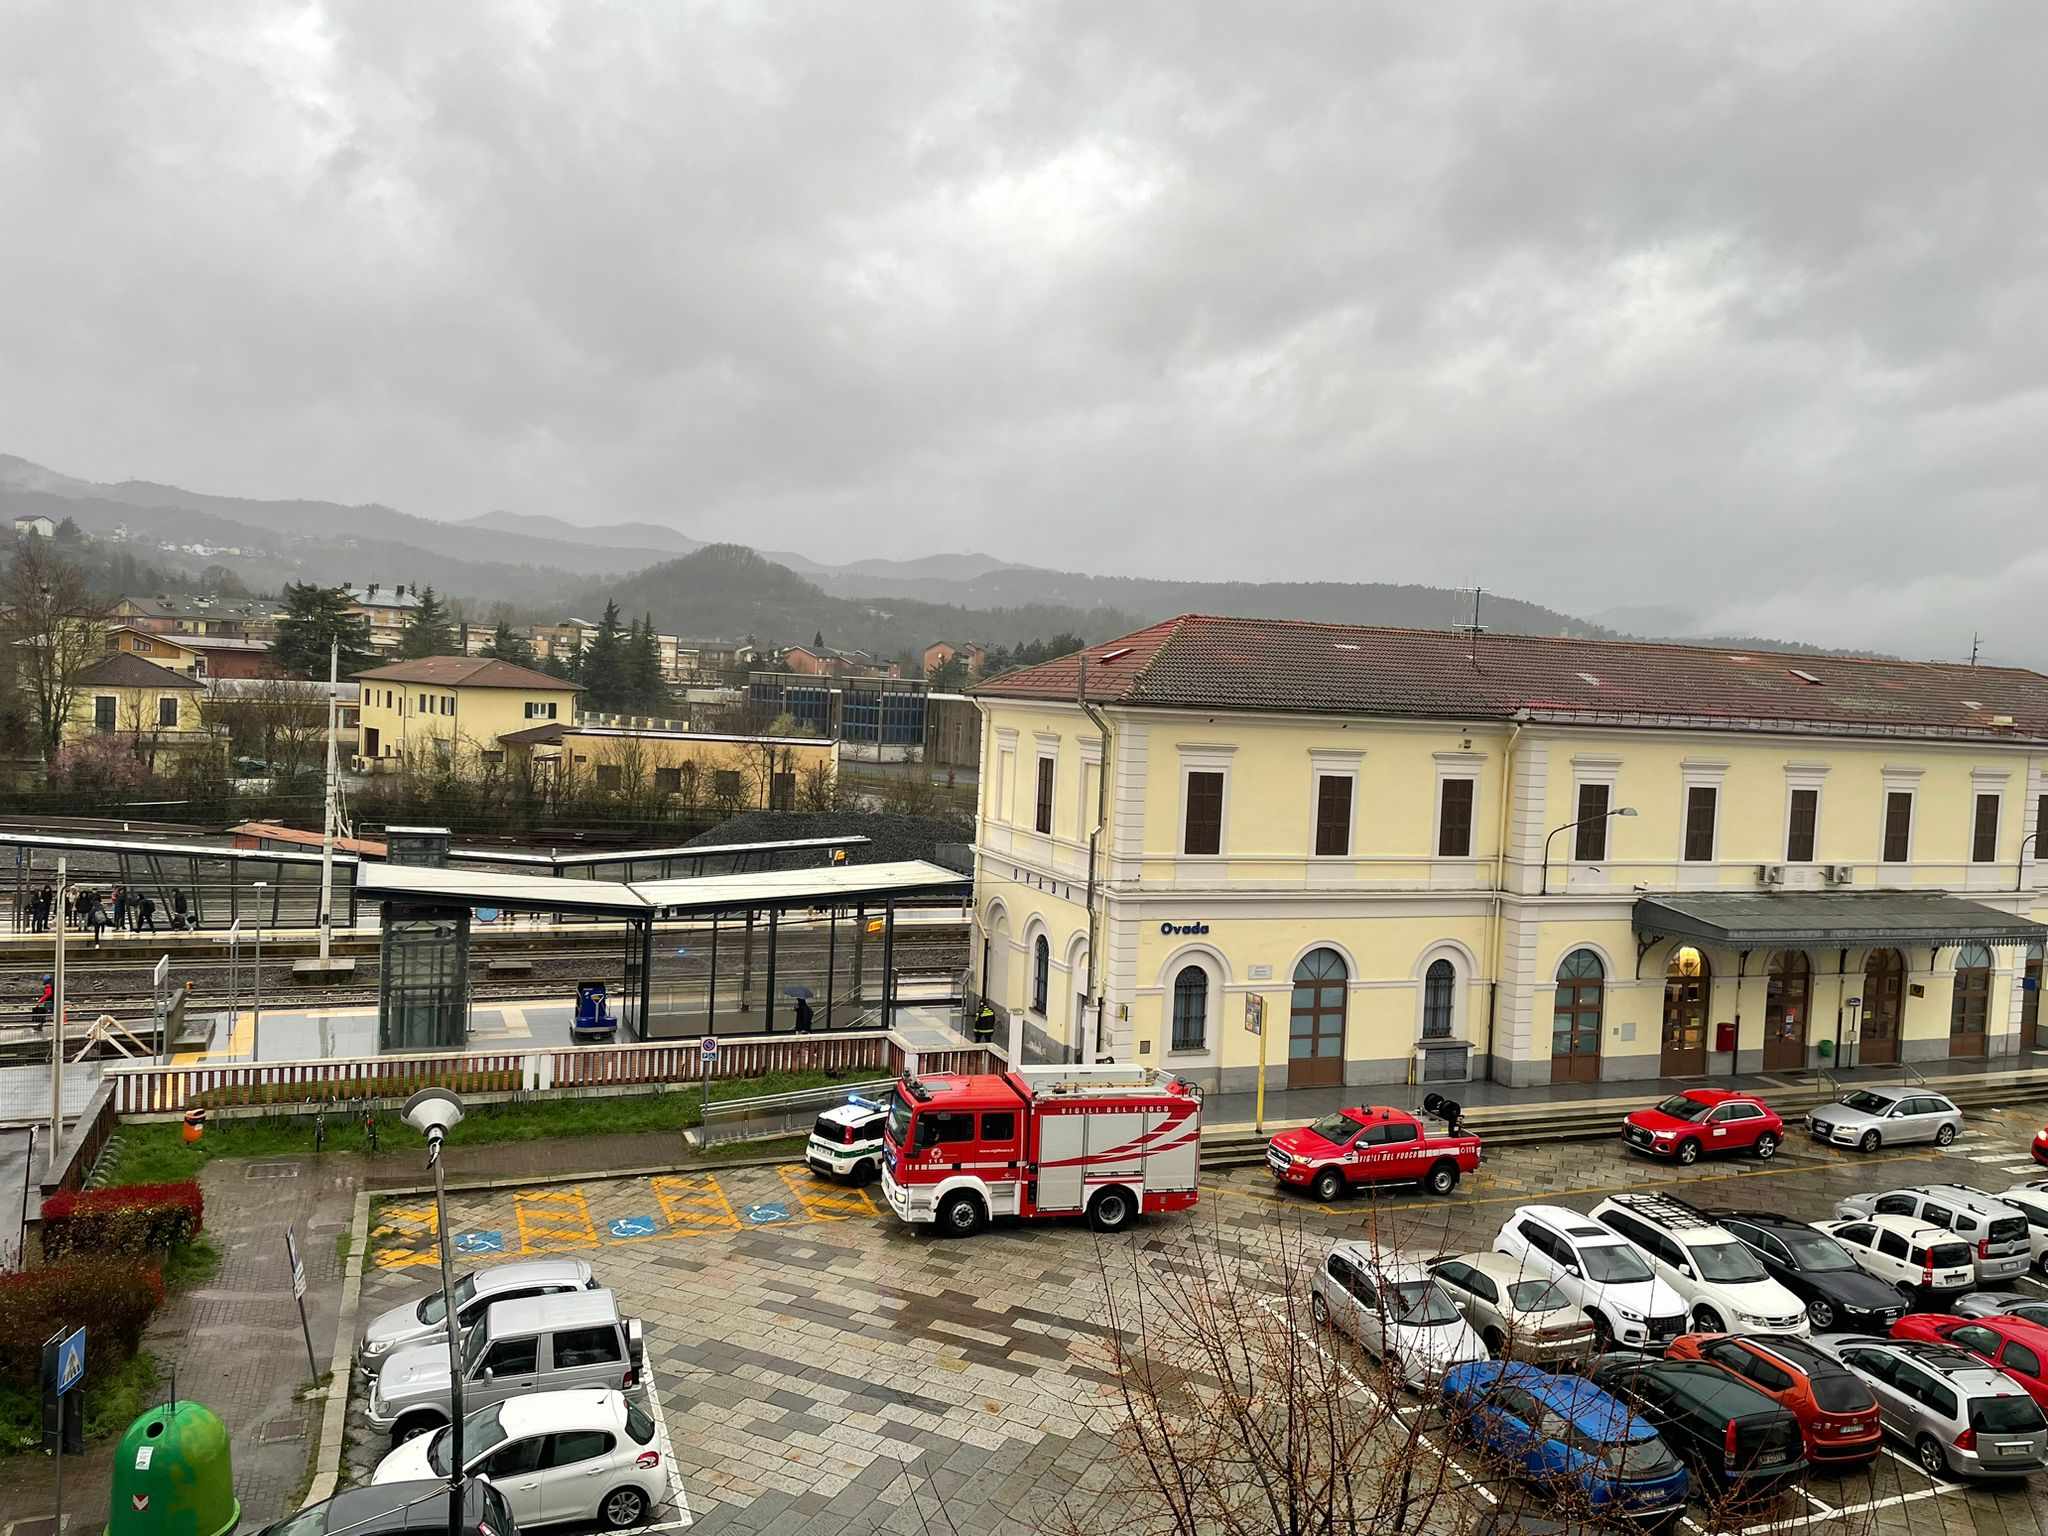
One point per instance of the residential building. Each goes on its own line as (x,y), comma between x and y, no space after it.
(453,709)
(735,771)
(200,656)
(559,642)
(939,652)
(386,608)
(125,696)
(41,527)
(1410,855)
(167,614)
(830,661)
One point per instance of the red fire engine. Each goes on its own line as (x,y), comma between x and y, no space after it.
(1108,1141)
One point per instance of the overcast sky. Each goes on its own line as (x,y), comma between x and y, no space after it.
(1739,310)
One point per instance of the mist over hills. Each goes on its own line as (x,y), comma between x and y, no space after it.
(547,564)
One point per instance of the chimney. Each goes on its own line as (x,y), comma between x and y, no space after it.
(373,590)
(400,591)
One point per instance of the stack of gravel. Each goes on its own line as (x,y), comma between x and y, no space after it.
(890,838)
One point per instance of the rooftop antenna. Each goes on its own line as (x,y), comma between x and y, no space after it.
(1974,637)
(1474,629)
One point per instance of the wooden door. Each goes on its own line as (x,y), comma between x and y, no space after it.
(1970,1003)
(1787,997)
(2031,1035)
(1884,1003)
(1575,1020)
(1315,1022)
(1687,983)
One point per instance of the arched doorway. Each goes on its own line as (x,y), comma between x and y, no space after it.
(1884,1004)
(1788,997)
(1575,1019)
(1969,1012)
(1688,981)
(995,981)
(1315,1021)
(2030,1002)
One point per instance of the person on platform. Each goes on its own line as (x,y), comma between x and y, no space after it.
(178,909)
(145,914)
(803,1015)
(41,1012)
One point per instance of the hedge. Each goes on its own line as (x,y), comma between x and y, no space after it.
(112,1298)
(129,1222)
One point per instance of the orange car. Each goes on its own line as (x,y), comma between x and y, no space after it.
(1837,1414)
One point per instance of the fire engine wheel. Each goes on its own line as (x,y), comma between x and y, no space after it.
(1111,1210)
(1443,1178)
(1329,1184)
(959,1215)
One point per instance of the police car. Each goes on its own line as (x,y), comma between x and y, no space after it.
(846,1143)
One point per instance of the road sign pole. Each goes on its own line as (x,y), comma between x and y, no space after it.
(291,1248)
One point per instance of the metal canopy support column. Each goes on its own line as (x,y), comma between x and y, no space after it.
(889,966)
(831,960)
(747,966)
(860,940)
(711,992)
(773,915)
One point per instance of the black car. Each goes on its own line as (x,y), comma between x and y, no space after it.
(1731,1435)
(386,1509)
(1840,1296)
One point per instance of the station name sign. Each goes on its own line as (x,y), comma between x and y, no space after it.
(1183,927)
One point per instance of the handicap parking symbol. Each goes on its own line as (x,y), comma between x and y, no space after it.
(479,1242)
(766,1212)
(632,1226)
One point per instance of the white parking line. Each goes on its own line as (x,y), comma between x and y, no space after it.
(2005,1157)
(680,1495)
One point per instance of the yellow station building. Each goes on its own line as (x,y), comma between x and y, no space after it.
(1410,856)
(453,709)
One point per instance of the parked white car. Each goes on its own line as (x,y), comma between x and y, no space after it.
(1995,1230)
(420,1320)
(1517,1316)
(585,1455)
(1724,1284)
(1395,1309)
(1922,1263)
(1603,1274)
(2030,1198)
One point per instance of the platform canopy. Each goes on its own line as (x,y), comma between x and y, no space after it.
(1846,919)
(841,885)
(487,888)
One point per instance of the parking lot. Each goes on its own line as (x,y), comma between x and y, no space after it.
(819,1367)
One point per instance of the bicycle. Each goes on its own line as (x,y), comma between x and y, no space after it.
(370,1124)
(319,1125)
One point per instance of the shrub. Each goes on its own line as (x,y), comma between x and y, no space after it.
(113,1298)
(132,1222)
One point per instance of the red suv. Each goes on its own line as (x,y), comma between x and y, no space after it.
(2017,1347)
(1705,1120)
(1837,1414)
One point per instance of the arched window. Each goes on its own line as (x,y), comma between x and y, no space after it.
(1575,1018)
(1041,974)
(1191,1009)
(1439,986)
(1970,1009)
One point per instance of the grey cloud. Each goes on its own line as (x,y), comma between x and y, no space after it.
(1735,309)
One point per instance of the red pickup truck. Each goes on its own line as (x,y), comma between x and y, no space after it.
(1375,1145)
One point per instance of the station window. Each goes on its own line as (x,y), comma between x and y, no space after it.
(1454,820)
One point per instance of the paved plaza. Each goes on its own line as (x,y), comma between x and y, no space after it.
(822,1368)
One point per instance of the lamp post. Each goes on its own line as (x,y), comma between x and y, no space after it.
(433,1112)
(256,1006)
(2019,879)
(1619,810)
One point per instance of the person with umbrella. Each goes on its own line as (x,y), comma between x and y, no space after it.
(803,1008)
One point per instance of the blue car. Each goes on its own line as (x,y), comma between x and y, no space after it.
(1567,1434)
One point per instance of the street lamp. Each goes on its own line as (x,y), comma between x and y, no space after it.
(256,1008)
(2019,879)
(1620,810)
(433,1112)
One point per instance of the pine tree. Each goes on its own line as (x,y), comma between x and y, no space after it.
(818,643)
(506,646)
(314,616)
(428,630)
(650,688)
(604,672)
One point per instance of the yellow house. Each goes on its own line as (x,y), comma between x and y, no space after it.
(123,696)
(733,772)
(1550,861)
(451,710)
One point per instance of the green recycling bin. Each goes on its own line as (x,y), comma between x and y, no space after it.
(172,1476)
(1827,1050)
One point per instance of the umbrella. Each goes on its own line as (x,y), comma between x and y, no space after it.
(798,992)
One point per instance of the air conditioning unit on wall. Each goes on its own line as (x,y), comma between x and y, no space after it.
(1770,874)
(1841,874)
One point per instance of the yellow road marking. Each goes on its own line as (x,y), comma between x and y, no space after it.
(406,1235)
(552,1220)
(823,1201)
(693,1202)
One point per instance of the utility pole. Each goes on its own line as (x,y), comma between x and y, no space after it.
(327,835)
(57,1040)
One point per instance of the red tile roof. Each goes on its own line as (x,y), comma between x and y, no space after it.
(467,672)
(1284,666)
(123,669)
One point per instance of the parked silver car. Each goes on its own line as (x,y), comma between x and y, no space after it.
(1870,1118)
(1995,1230)
(1517,1315)
(420,1319)
(2027,1308)
(1960,1415)
(1393,1308)
(540,1344)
